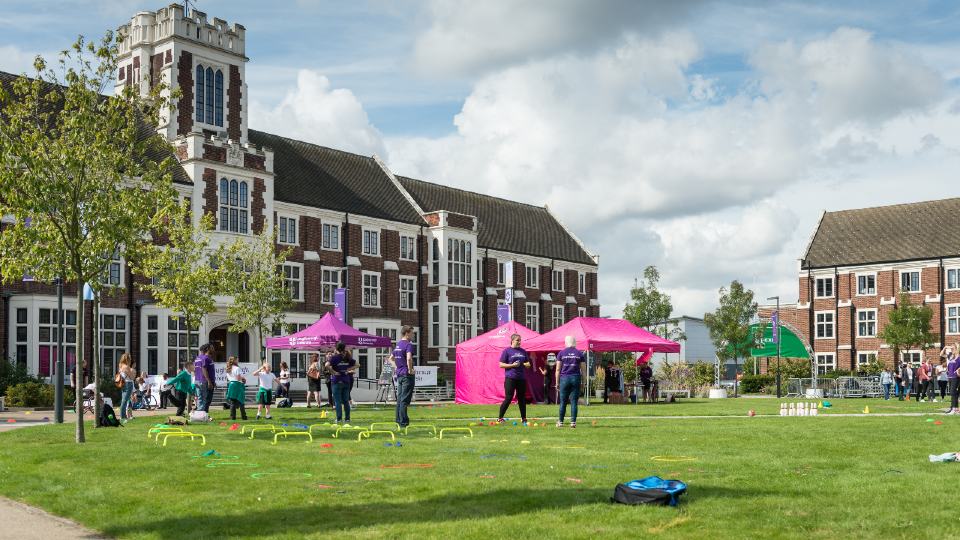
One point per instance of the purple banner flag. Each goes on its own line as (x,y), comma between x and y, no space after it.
(775,321)
(340,304)
(503,314)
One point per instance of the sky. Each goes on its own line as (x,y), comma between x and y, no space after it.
(704,138)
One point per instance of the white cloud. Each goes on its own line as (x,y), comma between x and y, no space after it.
(466,36)
(315,112)
(651,163)
(13,59)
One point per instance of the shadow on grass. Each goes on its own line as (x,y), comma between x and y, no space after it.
(333,513)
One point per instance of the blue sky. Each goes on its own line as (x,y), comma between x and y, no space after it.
(663,133)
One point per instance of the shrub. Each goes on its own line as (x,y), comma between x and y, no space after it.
(791,368)
(756,384)
(11,374)
(36,394)
(110,390)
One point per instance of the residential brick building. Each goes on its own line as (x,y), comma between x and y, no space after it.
(857,265)
(410,252)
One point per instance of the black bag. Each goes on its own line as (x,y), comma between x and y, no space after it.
(107,417)
(650,490)
(283,403)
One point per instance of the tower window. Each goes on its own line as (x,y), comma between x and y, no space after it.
(233,206)
(209,100)
(199,107)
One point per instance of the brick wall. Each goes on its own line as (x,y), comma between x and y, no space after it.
(215,153)
(253,161)
(234,94)
(185,82)
(460,221)
(258,205)
(210,200)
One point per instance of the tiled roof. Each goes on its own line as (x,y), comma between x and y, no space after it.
(502,224)
(155,152)
(902,232)
(322,177)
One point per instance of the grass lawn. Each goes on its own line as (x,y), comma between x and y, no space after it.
(763,477)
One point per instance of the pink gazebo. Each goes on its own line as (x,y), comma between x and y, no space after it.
(479,378)
(603,335)
(326,333)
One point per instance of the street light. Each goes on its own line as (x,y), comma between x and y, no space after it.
(776,320)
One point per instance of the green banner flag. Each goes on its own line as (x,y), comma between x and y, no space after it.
(791,346)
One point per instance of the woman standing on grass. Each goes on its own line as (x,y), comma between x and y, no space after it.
(127,375)
(886,381)
(341,366)
(941,372)
(313,379)
(265,392)
(236,389)
(952,364)
(570,364)
(513,360)
(283,381)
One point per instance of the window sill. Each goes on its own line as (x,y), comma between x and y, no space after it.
(407,260)
(370,254)
(866,294)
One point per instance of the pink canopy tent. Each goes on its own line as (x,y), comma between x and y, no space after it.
(603,335)
(326,333)
(479,378)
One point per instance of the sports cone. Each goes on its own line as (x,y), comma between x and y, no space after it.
(866,410)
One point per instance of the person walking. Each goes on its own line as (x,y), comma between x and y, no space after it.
(313,379)
(204,377)
(236,389)
(126,375)
(340,366)
(905,377)
(265,392)
(571,363)
(181,387)
(925,375)
(402,358)
(513,360)
(941,372)
(952,365)
(886,381)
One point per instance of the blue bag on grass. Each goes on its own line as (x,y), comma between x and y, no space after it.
(649,490)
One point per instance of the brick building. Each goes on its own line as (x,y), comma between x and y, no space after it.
(856,266)
(410,252)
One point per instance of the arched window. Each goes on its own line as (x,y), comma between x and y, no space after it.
(233,206)
(200,87)
(218,98)
(209,97)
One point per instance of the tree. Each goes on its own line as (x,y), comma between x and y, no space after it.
(253,270)
(79,172)
(730,324)
(908,327)
(650,308)
(181,276)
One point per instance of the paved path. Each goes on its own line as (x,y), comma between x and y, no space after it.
(25,418)
(34,524)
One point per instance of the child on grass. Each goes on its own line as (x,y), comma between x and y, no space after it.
(265,393)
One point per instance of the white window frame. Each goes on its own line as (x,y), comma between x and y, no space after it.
(556,284)
(554,318)
(946,278)
(299,279)
(867,275)
(581,283)
(457,267)
(919,281)
(283,230)
(364,287)
(327,226)
(581,312)
(832,363)
(410,293)
(912,352)
(332,285)
(532,270)
(367,238)
(244,216)
(832,323)
(465,327)
(867,322)
(500,273)
(436,324)
(531,311)
(411,247)
(955,318)
(859,362)
(816,287)
(116,261)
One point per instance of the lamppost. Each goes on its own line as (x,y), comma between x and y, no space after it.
(776,330)
(58,382)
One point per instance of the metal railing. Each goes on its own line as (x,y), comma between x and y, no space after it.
(841,387)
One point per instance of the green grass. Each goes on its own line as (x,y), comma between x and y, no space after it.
(765,477)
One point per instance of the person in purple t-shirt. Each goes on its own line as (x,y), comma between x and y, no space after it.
(570,362)
(513,360)
(402,358)
(341,366)
(953,363)
(204,376)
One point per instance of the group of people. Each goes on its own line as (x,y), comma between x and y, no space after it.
(925,380)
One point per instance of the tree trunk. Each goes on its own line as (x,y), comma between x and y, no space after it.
(98,402)
(79,393)
(189,398)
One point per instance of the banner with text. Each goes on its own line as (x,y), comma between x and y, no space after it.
(246,369)
(426,375)
(340,304)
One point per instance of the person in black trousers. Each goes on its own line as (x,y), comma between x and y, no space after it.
(514,360)
(165,391)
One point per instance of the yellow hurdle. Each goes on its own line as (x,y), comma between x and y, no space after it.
(457,430)
(285,434)
(366,434)
(182,434)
